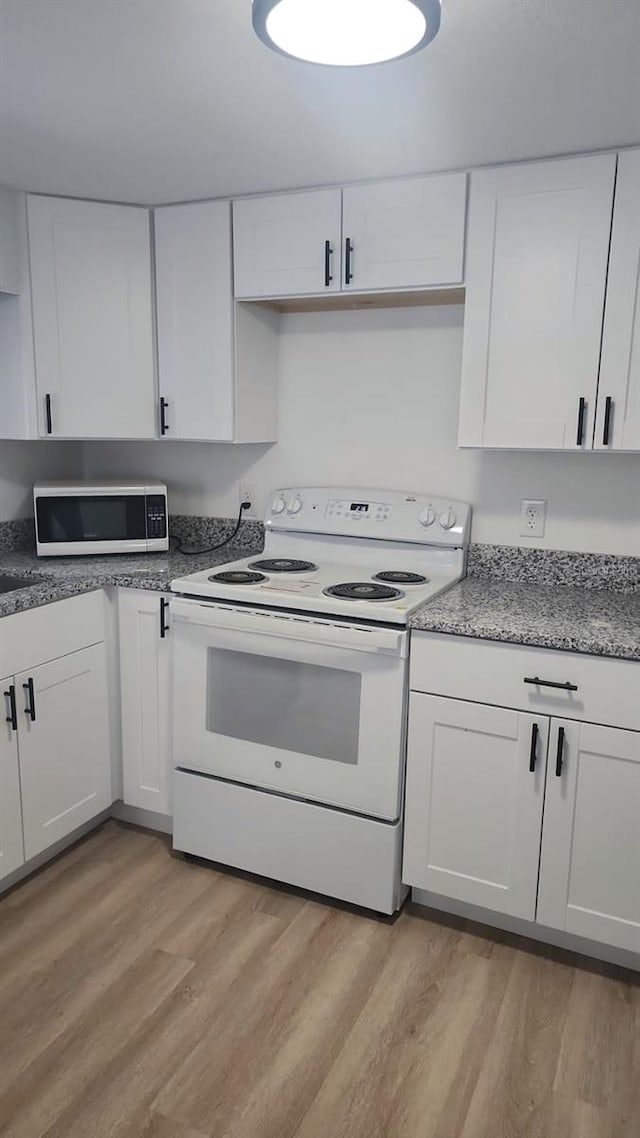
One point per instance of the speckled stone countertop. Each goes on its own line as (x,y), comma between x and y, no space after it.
(60,577)
(572,602)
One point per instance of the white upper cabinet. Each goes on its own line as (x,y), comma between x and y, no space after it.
(92,319)
(590,864)
(287,244)
(404,234)
(473,811)
(537,249)
(11,203)
(195,320)
(618,421)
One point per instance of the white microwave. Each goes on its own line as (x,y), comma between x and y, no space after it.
(75,518)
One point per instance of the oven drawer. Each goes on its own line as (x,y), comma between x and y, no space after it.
(599,690)
(327,851)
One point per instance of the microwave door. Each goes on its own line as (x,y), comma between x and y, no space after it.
(291,715)
(91,523)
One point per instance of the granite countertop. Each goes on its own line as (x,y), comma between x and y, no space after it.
(61,577)
(596,621)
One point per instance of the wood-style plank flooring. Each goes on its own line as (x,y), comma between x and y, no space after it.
(146,996)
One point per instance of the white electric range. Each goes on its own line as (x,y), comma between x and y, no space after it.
(290,688)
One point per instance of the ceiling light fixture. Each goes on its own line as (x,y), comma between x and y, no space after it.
(346,33)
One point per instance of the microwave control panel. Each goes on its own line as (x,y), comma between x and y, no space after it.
(156,515)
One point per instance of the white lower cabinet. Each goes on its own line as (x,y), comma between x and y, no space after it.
(486,826)
(63,716)
(474,804)
(590,860)
(55,732)
(145,673)
(11,847)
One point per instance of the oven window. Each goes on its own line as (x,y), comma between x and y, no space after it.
(306,708)
(91,518)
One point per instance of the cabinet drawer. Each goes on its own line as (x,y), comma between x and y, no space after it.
(37,635)
(607,690)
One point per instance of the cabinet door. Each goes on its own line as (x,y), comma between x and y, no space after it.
(537,248)
(65,764)
(405,234)
(473,808)
(280,244)
(145,676)
(590,865)
(91,293)
(11,848)
(618,421)
(195,319)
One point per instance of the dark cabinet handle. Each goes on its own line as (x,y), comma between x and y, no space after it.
(164,627)
(47,408)
(560,752)
(549,683)
(12,718)
(164,426)
(533,753)
(582,408)
(30,703)
(348,250)
(327,263)
(608,406)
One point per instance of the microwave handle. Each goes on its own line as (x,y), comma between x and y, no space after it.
(363,639)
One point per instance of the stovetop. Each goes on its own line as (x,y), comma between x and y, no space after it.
(366,555)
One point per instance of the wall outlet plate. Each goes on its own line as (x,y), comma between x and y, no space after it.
(533,513)
(247,493)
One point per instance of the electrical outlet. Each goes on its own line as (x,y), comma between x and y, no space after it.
(247,493)
(532,517)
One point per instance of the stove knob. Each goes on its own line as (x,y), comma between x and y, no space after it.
(278,504)
(448,519)
(294,506)
(427,517)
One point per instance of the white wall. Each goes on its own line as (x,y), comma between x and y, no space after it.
(22,464)
(370,398)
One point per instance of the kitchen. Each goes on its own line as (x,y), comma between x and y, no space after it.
(466,360)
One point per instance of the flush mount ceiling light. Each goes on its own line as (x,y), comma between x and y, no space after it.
(346,33)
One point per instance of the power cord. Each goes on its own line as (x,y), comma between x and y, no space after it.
(180,548)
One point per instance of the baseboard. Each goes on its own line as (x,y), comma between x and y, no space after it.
(530,929)
(139,817)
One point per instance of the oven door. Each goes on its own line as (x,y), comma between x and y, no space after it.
(294,704)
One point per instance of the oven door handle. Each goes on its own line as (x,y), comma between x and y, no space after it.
(364,639)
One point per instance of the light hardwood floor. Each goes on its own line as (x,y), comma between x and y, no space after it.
(145,996)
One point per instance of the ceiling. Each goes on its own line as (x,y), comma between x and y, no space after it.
(166,100)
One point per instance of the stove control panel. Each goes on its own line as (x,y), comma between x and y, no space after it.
(393,515)
(357,511)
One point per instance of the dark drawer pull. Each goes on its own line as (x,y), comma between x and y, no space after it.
(164,426)
(12,718)
(549,683)
(164,627)
(582,407)
(348,250)
(560,752)
(606,430)
(533,753)
(47,408)
(327,264)
(30,702)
